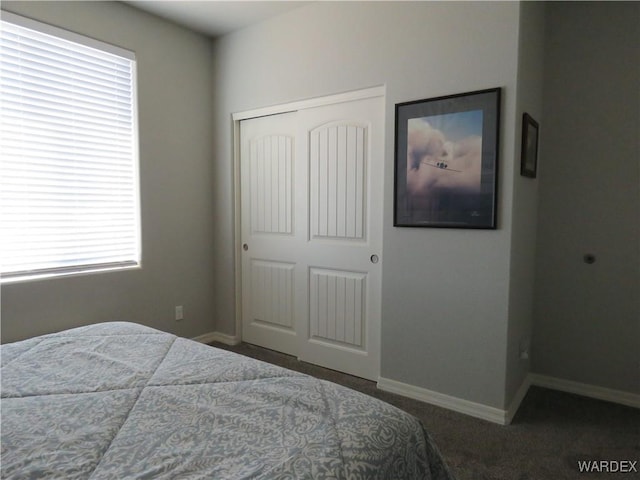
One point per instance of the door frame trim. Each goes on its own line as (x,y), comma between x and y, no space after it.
(236,118)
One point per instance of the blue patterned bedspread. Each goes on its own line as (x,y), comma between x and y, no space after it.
(124,401)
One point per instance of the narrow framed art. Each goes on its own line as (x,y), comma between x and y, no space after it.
(529,153)
(446,161)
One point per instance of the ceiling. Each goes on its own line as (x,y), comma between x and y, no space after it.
(215,17)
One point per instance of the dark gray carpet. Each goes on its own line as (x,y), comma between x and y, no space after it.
(551,432)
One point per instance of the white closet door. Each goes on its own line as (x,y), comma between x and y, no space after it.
(272,236)
(312,205)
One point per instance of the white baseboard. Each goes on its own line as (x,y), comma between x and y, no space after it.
(484,412)
(586,390)
(517,399)
(217,337)
(504,417)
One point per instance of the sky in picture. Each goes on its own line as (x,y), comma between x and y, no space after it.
(444,152)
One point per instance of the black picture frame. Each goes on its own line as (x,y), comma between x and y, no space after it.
(446,161)
(529,151)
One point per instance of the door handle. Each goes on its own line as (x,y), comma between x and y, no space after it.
(245,247)
(374,258)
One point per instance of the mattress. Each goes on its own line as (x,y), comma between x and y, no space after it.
(120,400)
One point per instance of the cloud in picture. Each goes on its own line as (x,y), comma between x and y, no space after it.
(444,152)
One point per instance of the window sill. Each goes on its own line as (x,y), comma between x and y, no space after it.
(49,275)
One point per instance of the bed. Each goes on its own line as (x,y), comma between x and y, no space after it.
(119,400)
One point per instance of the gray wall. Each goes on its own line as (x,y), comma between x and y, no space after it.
(587,317)
(525,199)
(445,291)
(456,304)
(174,82)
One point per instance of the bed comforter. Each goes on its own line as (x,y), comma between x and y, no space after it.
(123,401)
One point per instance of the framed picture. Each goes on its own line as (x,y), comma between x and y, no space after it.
(446,161)
(529,153)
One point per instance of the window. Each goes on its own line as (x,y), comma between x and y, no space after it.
(69,194)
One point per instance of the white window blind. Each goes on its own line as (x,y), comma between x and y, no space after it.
(69,198)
